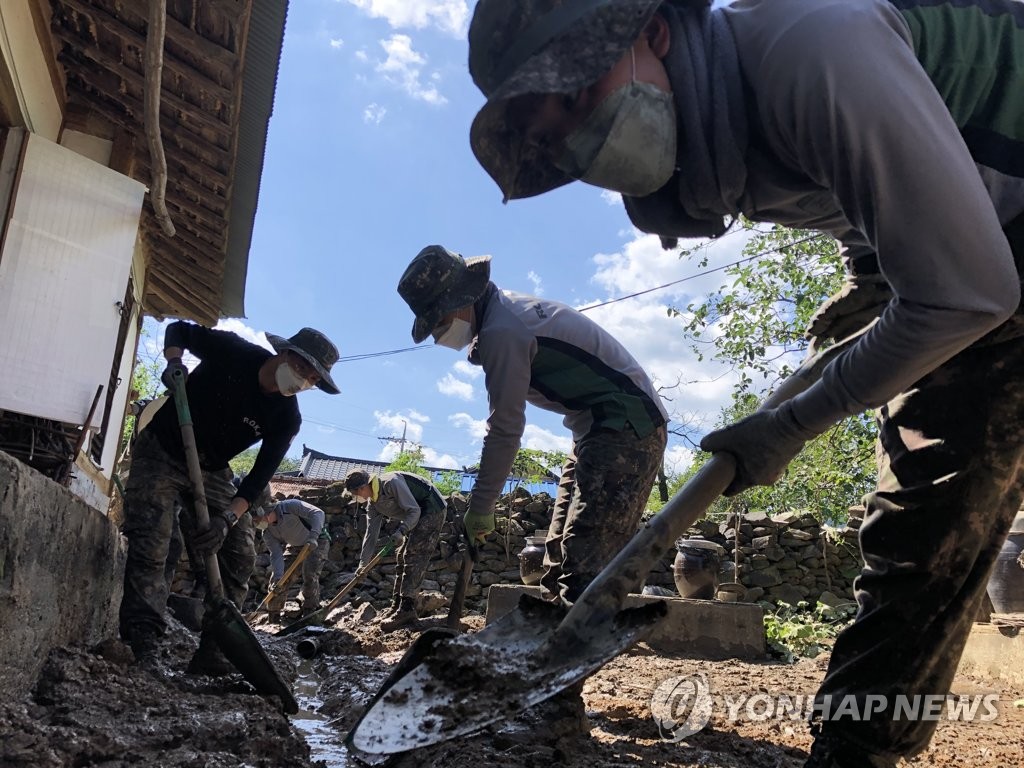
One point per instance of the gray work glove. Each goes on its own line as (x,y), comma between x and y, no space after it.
(763,444)
(397,538)
(312,543)
(210,541)
(174,364)
(861,299)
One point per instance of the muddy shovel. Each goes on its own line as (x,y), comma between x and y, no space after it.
(469,557)
(234,637)
(318,616)
(449,686)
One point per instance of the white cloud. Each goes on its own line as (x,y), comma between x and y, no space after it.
(454,387)
(374,113)
(538,439)
(394,424)
(337,43)
(362,55)
(468,370)
(677,458)
(404,67)
(431,458)
(476,428)
(533,277)
(236,326)
(449,16)
(612,198)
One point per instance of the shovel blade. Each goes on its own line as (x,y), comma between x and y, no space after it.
(455,686)
(244,651)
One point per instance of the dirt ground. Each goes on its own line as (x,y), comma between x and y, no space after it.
(95,707)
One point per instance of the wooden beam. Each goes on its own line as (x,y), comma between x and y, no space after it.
(123,154)
(194,259)
(214,227)
(169,101)
(209,199)
(180,302)
(184,147)
(205,50)
(129,36)
(202,247)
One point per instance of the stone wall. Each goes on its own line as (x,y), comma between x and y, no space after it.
(61,570)
(788,559)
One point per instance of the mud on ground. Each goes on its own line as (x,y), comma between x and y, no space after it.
(97,707)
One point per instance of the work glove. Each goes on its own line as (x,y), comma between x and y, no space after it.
(210,541)
(762,444)
(861,299)
(174,364)
(397,538)
(478,524)
(312,543)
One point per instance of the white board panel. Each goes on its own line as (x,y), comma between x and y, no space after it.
(63,269)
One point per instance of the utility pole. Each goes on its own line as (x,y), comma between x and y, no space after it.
(399,440)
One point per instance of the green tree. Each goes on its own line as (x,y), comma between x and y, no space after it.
(535,466)
(755,325)
(409,461)
(243,462)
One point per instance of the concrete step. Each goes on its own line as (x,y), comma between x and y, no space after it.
(695,628)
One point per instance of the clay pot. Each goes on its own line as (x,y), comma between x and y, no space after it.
(696,568)
(531,559)
(1006,584)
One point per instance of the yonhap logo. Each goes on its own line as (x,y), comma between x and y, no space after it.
(681,706)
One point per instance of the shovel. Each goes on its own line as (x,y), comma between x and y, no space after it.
(319,615)
(446,687)
(469,557)
(222,619)
(280,586)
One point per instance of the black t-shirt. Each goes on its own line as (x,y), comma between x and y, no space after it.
(229,411)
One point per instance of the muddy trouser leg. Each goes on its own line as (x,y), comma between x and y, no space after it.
(311,567)
(559,513)
(950,484)
(154,484)
(612,480)
(420,545)
(174,549)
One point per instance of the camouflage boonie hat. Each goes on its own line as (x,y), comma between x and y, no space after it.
(313,347)
(438,282)
(519,47)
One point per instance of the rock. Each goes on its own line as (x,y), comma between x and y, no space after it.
(429,602)
(762,542)
(795,536)
(753,594)
(786,593)
(768,577)
(787,518)
(658,591)
(363,613)
(487,578)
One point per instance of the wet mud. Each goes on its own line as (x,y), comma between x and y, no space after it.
(96,707)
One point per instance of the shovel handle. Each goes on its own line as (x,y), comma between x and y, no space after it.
(607,593)
(279,587)
(195,473)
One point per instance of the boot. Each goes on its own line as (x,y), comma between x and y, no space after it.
(402,617)
(564,715)
(208,659)
(829,752)
(146,648)
(390,611)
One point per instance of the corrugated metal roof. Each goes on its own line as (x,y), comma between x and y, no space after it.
(321,466)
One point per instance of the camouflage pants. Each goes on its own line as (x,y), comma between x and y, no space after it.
(604,488)
(157,484)
(311,569)
(950,484)
(415,553)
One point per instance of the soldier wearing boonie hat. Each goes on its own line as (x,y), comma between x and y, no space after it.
(898,128)
(240,394)
(545,353)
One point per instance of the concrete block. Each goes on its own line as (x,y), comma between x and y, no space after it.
(992,654)
(694,628)
(61,573)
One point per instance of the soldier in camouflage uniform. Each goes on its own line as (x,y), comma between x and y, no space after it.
(548,354)
(239,394)
(897,127)
(419,509)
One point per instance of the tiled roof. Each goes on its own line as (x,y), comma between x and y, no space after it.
(321,466)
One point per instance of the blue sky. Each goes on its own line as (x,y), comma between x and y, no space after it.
(368,160)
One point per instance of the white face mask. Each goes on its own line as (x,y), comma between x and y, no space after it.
(289,383)
(458,335)
(627,144)
(261,525)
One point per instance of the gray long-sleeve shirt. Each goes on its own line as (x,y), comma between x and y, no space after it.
(548,354)
(394,500)
(856,139)
(298,522)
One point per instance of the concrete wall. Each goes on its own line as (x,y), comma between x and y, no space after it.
(61,566)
